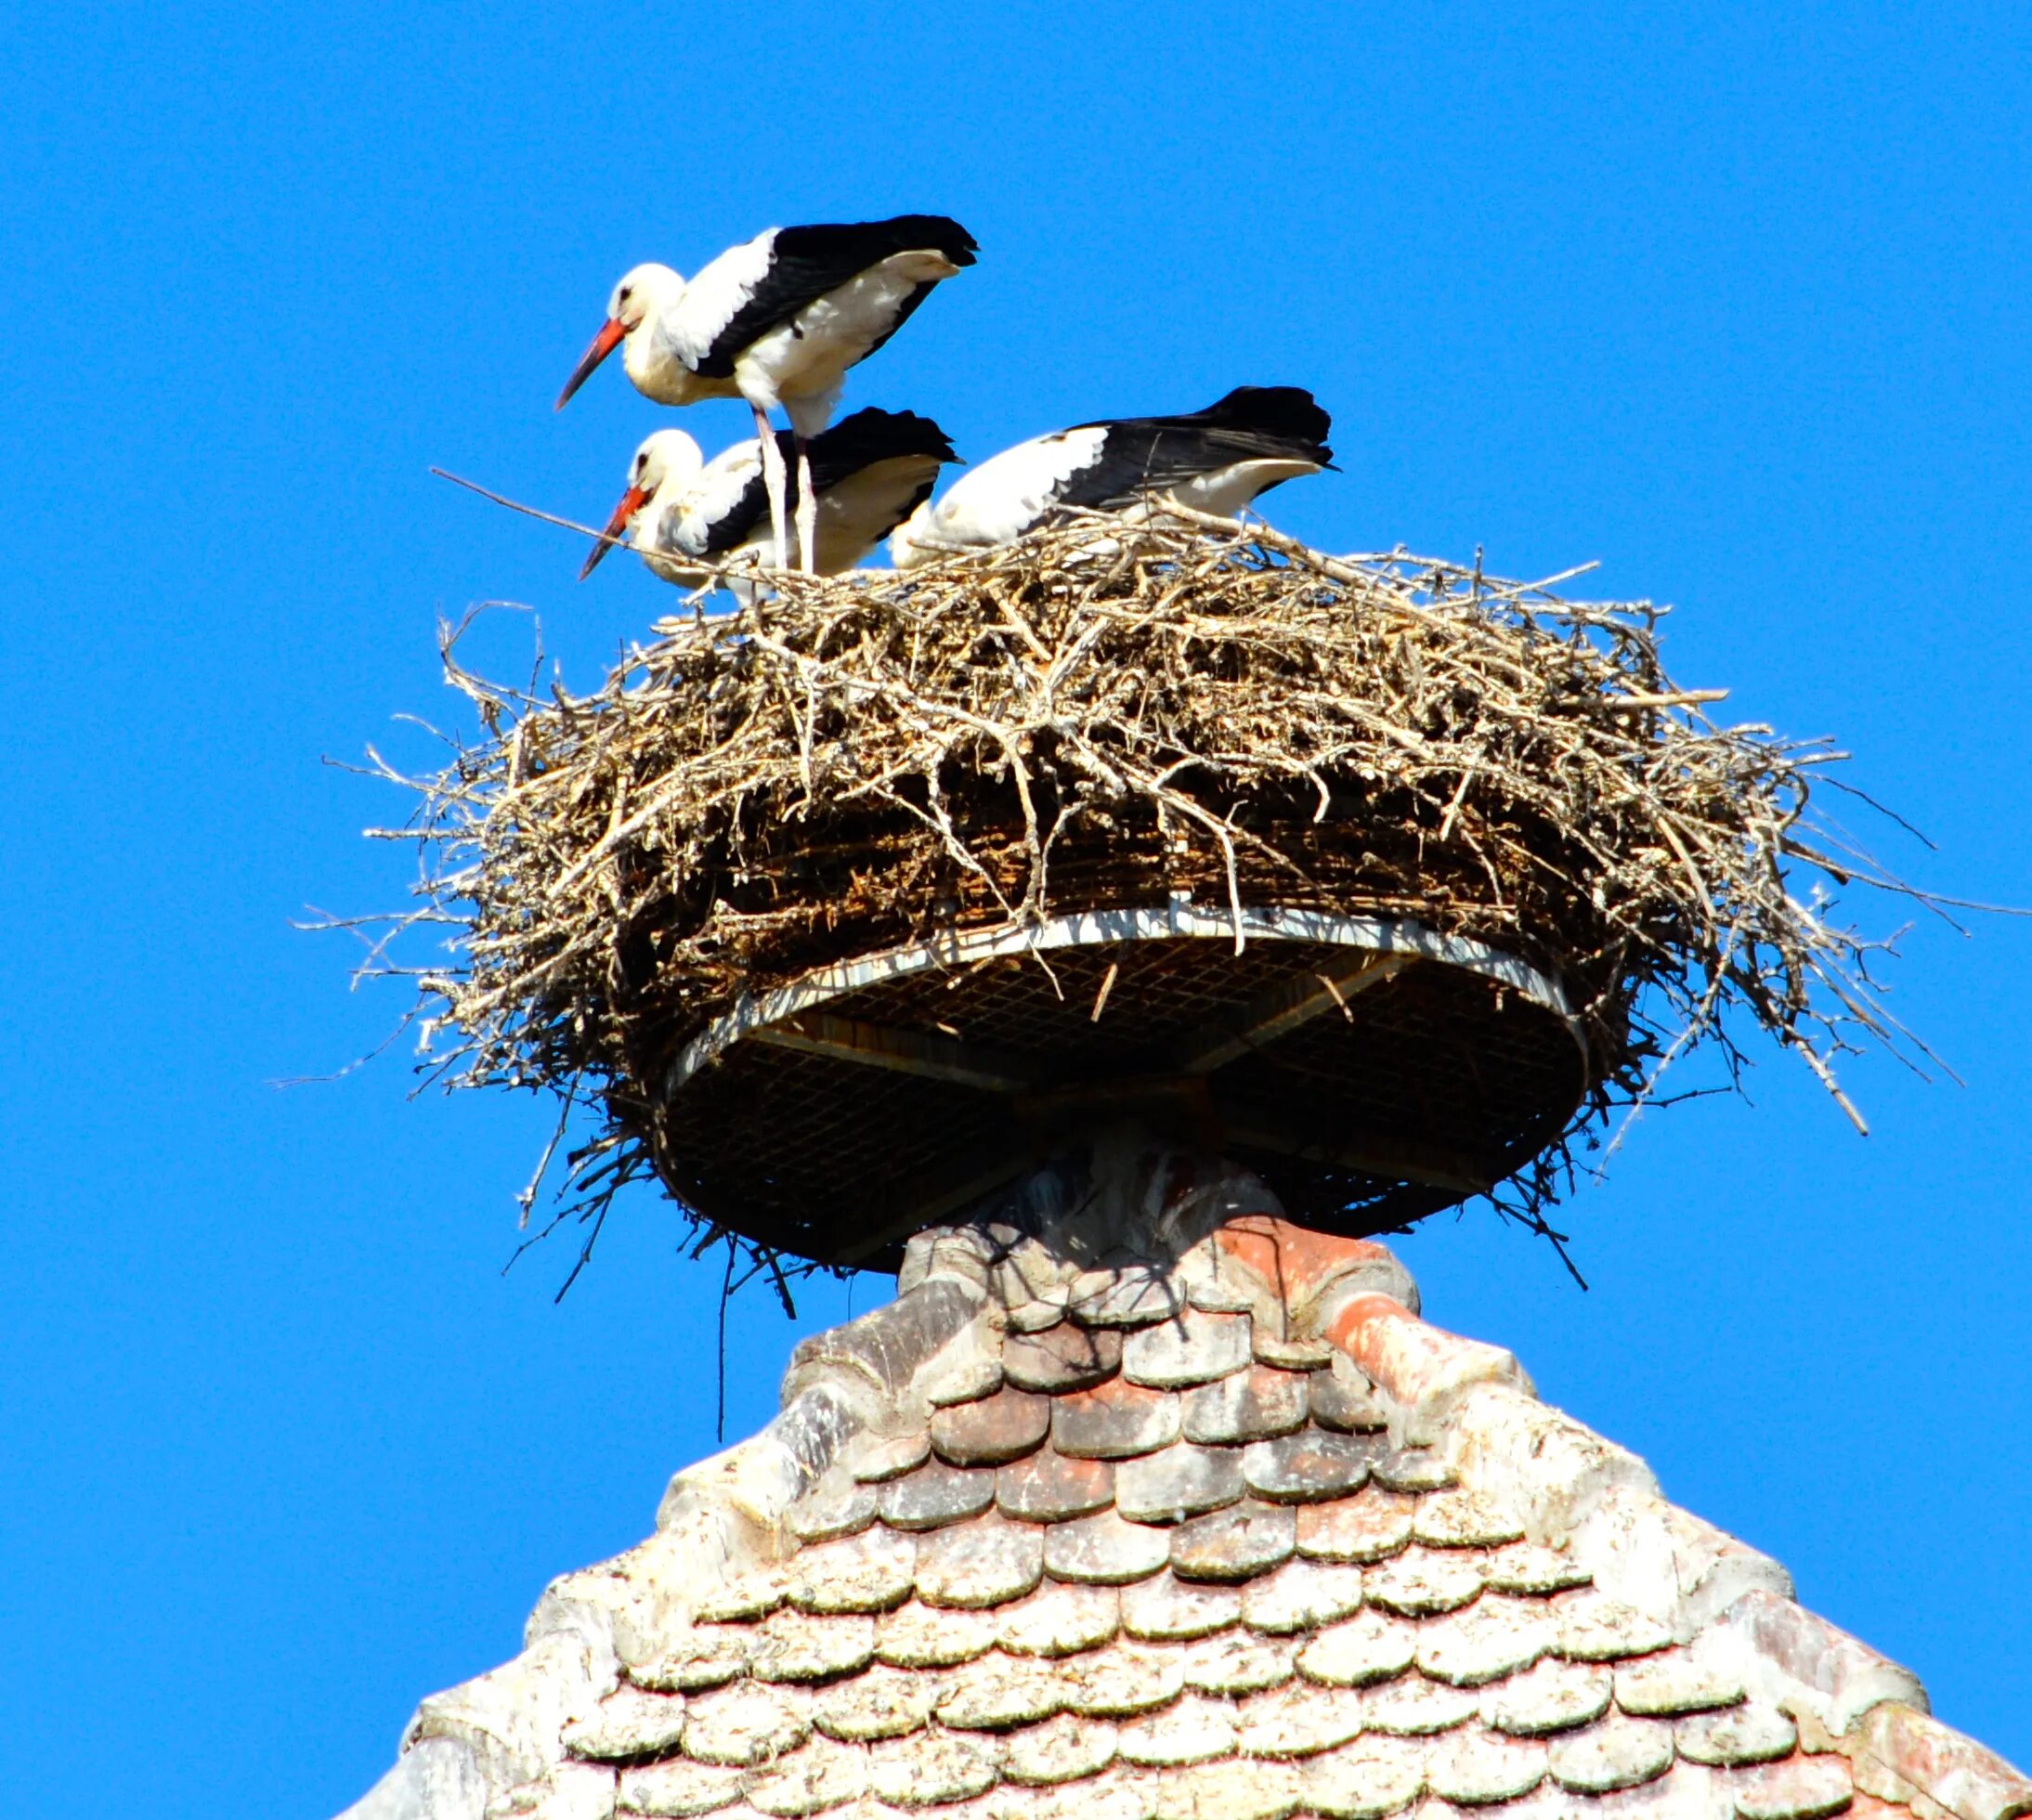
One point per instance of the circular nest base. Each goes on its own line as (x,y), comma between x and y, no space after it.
(840,906)
(1372,1071)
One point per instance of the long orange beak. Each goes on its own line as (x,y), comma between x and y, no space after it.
(611,335)
(633,501)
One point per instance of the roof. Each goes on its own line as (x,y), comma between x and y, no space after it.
(1141,1502)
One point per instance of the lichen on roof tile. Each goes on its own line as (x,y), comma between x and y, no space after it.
(977,1571)
(1253,1404)
(1619,1752)
(871,1571)
(679,1789)
(1105,1550)
(1756,1733)
(1369,1647)
(1301,1596)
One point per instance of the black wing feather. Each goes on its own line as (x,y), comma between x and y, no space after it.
(1147,454)
(836,454)
(805,263)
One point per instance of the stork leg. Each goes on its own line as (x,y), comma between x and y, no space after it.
(807,508)
(775,479)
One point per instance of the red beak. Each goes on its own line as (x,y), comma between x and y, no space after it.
(610,337)
(633,501)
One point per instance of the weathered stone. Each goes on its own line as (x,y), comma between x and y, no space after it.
(1004,1426)
(1411,1469)
(1104,1551)
(1049,1487)
(1754,1733)
(1301,1596)
(1061,1621)
(1475,1768)
(821,1775)
(1194,1729)
(999,1692)
(874,1458)
(679,1789)
(924,1637)
(1115,1794)
(1134,1295)
(1309,1467)
(1237,1663)
(1289,1352)
(1164,1610)
(627,1725)
(745,1597)
(1061,1750)
(1063,1357)
(1365,1648)
(1467,1520)
(1491,1638)
(1191,1349)
(1047,1310)
(744,1725)
(1234,1544)
(1252,1405)
(929,1767)
(1898,1746)
(1413,1707)
(1617,1753)
(844,1511)
(1551,1697)
(1527,1567)
(1296,1719)
(1846,1678)
(1676,1682)
(880,1702)
(793,1646)
(872,1571)
(1122,1681)
(1178,1482)
(986,1562)
(1365,1780)
(935,1495)
(881,1352)
(706,1656)
(1422,1583)
(1372,1526)
(1116,1420)
(966,1378)
(1594,1628)
(1230,1791)
(1340,1398)
(1800,1789)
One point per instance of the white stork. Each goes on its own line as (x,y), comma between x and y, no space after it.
(868,473)
(777,322)
(1216,459)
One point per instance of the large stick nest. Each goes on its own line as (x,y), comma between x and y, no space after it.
(1095,717)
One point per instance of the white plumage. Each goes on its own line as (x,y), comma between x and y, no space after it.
(681,510)
(776,320)
(1216,459)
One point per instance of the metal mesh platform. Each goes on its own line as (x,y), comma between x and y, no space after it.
(1371,1071)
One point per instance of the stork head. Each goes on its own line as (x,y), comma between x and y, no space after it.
(664,466)
(637,300)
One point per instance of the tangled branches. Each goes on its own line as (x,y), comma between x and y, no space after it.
(1096,718)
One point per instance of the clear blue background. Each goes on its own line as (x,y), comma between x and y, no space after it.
(1730,298)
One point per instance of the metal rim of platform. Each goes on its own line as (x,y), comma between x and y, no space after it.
(1383,937)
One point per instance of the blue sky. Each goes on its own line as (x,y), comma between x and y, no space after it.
(1732,299)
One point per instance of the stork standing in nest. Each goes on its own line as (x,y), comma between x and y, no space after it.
(1217,461)
(777,321)
(864,476)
